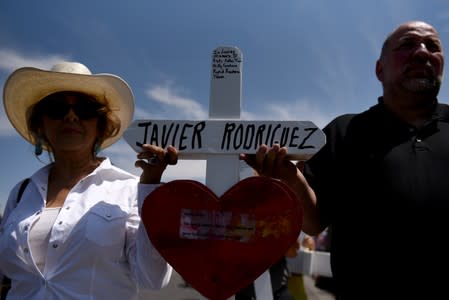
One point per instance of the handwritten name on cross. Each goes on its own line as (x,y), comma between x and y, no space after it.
(222,137)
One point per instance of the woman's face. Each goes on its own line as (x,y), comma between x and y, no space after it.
(69,123)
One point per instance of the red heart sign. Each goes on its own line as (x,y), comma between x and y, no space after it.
(220,245)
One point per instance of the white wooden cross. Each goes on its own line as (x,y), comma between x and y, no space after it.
(222,137)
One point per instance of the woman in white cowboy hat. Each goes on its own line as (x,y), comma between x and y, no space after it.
(76,232)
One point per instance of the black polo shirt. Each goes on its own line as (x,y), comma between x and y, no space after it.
(383,186)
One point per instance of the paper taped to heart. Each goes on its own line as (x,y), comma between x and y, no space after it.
(222,244)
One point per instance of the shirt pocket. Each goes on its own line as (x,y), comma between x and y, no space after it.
(9,246)
(5,236)
(106,225)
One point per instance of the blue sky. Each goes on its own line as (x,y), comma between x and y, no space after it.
(302,59)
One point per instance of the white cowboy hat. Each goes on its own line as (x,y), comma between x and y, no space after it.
(27,86)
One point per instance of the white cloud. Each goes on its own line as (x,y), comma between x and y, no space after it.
(300,110)
(185,108)
(11,60)
(142,114)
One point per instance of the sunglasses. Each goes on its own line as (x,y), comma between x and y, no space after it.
(55,107)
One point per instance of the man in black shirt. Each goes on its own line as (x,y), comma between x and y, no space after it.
(382,179)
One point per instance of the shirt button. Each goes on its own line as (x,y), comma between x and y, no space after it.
(68,207)
(26,250)
(55,246)
(60,222)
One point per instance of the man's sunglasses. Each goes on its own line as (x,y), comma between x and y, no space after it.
(55,107)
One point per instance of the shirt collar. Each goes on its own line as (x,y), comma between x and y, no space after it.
(440,111)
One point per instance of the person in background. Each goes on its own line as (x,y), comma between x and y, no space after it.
(322,242)
(296,278)
(381,180)
(76,232)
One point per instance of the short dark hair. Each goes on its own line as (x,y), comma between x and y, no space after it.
(385,45)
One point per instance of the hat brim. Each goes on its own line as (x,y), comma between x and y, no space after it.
(27,86)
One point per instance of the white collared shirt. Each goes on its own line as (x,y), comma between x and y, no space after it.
(98,247)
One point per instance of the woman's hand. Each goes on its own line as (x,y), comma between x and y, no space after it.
(153,160)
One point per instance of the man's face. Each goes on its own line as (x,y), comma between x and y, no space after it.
(412,60)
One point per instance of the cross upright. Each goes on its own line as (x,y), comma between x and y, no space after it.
(222,137)
(223,170)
